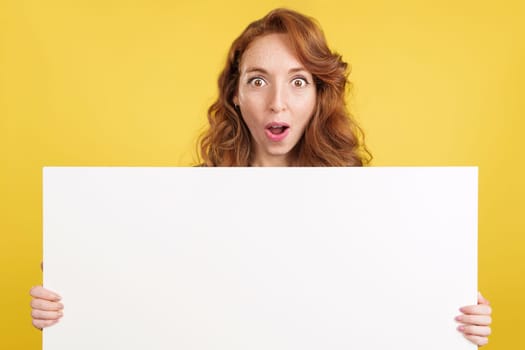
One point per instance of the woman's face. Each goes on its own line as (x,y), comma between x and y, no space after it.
(277,97)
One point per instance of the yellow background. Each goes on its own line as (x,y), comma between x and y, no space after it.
(118,82)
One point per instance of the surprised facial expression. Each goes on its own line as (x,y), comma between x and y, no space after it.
(276,96)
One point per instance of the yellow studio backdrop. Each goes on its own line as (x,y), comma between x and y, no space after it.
(127,83)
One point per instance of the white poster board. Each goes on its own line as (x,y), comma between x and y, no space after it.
(260,258)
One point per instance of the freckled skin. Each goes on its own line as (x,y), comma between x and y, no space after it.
(274,86)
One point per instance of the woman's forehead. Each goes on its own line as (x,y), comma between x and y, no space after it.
(270,52)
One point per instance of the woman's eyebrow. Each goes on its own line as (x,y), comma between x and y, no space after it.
(295,70)
(256,70)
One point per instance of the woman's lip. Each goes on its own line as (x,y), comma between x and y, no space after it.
(277,137)
(276,124)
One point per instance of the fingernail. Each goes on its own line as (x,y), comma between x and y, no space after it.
(60,314)
(461,328)
(458,318)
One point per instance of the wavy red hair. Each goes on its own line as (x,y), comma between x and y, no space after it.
(331,138)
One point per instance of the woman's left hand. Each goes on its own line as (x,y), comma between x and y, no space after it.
(475,321)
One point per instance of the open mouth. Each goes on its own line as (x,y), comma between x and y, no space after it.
(277,131)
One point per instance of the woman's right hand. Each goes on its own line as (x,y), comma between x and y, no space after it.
(46,308)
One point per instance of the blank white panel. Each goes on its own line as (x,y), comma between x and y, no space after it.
(260,258)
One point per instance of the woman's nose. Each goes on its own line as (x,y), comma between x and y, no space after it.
(277,101)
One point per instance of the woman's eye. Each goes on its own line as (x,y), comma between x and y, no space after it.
(299,82)
(257,82)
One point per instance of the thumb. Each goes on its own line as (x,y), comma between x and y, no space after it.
(482,300)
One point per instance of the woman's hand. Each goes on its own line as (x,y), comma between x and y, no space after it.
(475,321)
(46,308)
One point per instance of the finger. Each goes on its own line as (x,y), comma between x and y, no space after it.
(43,323)
(42,293)
(482,300)
(480,309)
(477,320)
(41,304)
(475,330)
(480,341)
(46,315)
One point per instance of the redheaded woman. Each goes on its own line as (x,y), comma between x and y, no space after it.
(281,103)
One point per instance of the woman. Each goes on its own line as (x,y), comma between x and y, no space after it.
(281,103)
